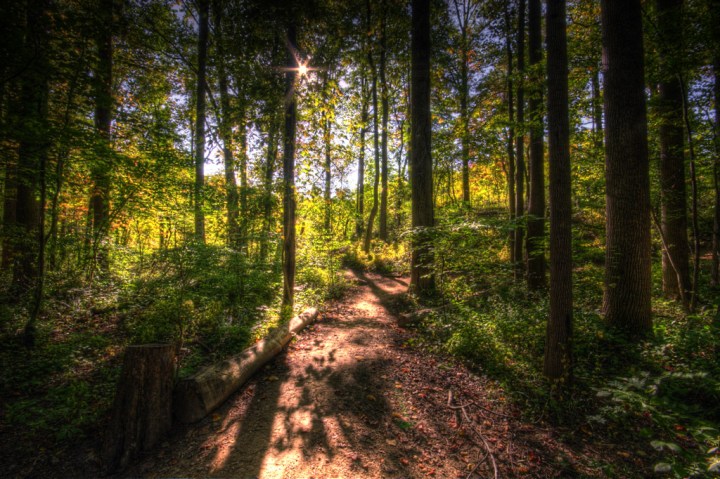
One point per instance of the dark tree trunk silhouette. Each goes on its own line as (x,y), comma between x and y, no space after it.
(558,343)
(715,268)
(103,86)
(289,202)
(535,241)
(675,271)
(520,146)
(327,140)
(627,255)
(597,110)
(421,276)
(201,91)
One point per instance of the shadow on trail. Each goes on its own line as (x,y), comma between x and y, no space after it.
(388,299)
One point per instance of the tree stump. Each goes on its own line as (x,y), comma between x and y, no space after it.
(142,411)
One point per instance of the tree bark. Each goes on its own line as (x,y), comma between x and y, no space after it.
(200,101)
(627,254)
(376,146)
(518,260)
(198,395)
(359,225)
(558,344)
(385,101)
(511,130)
(142,411)
(226,134)
(535,241)
(421,268)
(676,284)
(327,140)
(33,146)
(103,164)
(289,202)
(715,268)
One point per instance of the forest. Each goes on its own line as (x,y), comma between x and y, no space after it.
(505,214)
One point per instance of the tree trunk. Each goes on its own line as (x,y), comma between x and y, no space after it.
(142,411)
(715,273)
(272,146)
(203,10)
(597,110)
(558,344)
(359,225)
(376,148)
(421,267)
(103,165)
(33,146)
(289,205)
(383,228)
(511,130)
(327,195)
(676,284)
(627,254)
(535,241)
(520,146)
(225,132)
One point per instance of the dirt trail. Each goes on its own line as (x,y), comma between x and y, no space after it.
(348,399)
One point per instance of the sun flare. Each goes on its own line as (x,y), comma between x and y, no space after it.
(302,70)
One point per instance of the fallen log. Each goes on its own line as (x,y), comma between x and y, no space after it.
(197,395)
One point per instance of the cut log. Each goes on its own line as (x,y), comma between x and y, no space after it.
(196,396)
(142,412)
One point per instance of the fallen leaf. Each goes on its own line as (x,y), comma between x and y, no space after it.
(391,442)
(370,397)
(272,378)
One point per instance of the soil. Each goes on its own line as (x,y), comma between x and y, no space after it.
(350,398)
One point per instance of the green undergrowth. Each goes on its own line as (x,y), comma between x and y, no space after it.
(658,400)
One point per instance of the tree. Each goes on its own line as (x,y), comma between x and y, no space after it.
(225,130)
(376,138)
(421,277)
(534,244)
(200,99)
(627,252)
(558,343)
(675,261)
(289,202)
(384,100)
(520,145)
(103,86)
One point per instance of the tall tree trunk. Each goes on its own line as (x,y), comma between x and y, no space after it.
(272,147)
(520,146)
(327,140)
(383,228)
(203,10)
(715,8)
(558,343)
(360,211)
(627,252)
(675,262)
(376,146)
(597,110)
(33,145)
(511,129)
(421,267)
(9,211)
(535,242)
(103,85)
(289,204)
(225,131)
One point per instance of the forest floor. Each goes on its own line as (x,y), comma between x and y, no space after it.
(351,398)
